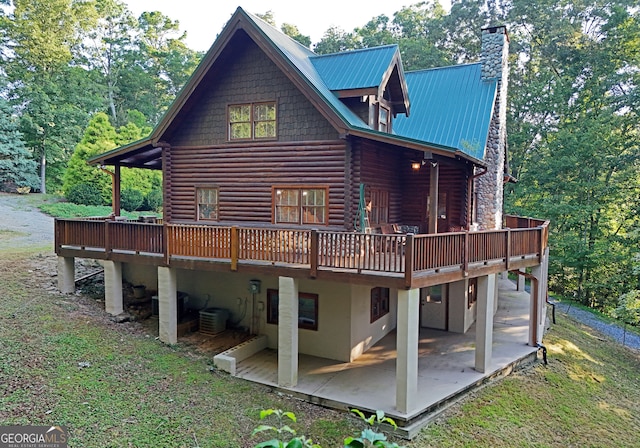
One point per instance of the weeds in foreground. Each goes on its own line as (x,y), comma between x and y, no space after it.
(369,437)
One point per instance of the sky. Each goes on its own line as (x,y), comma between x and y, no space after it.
(204,19)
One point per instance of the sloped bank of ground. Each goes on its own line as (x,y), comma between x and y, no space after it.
(64,361)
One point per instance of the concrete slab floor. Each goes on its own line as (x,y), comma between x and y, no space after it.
(445,367)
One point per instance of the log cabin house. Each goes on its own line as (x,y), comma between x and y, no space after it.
(321,202)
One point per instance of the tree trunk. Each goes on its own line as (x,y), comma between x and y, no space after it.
(43,172)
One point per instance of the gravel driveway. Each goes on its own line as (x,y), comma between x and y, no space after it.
(614,331)
(23,225)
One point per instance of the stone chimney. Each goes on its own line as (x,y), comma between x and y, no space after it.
(489,186)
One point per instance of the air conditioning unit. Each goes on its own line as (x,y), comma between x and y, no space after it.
(213,320)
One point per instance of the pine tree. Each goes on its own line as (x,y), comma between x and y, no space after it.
(17,169)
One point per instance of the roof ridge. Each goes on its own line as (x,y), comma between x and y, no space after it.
(442,68)
(355,50)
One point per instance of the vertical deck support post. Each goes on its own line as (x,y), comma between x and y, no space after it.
(407,333)
(288,332)
(484,322)
(167,305)
(66,275)
(113,287)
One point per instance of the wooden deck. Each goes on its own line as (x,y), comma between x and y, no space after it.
(405,261)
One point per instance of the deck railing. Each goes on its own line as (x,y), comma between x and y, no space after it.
(376,253)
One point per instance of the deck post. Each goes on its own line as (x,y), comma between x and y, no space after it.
(235,248)
(484,322)
(66,275)
(408,259)
(167,305)
(314,253)
(407,334)
(113,287)
(288,332)
(520,282)
(538,298)
(434,174)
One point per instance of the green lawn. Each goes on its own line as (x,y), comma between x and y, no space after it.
(64,362)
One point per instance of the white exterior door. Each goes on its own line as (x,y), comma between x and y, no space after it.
(434,307)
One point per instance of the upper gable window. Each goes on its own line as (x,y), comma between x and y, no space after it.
(252,121)
(383,119)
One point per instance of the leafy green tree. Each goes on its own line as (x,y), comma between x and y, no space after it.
(52,95)
(17,169)
(99,137)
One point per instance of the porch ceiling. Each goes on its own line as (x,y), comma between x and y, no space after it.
(139,154)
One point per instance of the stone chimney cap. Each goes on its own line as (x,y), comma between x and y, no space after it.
(499,29)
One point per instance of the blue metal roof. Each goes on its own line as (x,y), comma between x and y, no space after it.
(300,57)
(355,69)
(450,106)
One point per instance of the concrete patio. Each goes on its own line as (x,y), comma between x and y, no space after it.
(445,367)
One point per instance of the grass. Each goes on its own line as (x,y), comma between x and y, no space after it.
(588,395)
(112,384)
(62,361)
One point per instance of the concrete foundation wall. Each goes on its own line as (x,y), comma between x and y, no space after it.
(364,333)
(461,317)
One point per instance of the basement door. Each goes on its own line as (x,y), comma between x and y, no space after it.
(434,307)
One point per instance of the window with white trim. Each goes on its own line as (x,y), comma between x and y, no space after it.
(253,121)
(300,205)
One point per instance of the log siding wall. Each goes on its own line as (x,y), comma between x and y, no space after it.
(245,175)
(389,168)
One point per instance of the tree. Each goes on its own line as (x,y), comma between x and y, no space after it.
(17,169)
(99,137)
(52,96)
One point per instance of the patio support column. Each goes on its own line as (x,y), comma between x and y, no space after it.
(484,322)
(167,305)
(538,299)
(66,275)
(113,287)
(520,282)
(407,334)
(287,332)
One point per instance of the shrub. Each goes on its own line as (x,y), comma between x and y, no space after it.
(84,194)
(153,201)
(131,199)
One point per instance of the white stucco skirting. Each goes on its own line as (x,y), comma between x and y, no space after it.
(484,322)
(113,287)
(66,275)
(167,305)
(407,333)
(288,332)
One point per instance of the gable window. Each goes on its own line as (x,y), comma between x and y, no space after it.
(300,205)
(379,213)
(379,303)
(383,119)
(207,203)
(252,121)
(307,309)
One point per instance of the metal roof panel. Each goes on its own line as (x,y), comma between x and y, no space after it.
(355,69)
(451,106)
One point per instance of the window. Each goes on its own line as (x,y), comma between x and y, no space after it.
(252,121)
(383,119)
(207,201)
(379,303)
(472,292)
(300,205)
(379,213)
(307,309)
(431,294)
